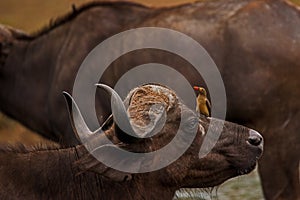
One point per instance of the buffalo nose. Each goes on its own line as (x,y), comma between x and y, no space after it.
(255,138)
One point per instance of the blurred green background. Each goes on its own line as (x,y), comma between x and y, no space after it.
(31,16)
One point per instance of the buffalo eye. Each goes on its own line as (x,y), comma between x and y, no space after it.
(191,124)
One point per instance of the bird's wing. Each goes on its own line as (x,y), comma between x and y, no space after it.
(208,106)
(198,103)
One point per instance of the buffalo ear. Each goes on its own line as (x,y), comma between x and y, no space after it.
(116,157)
(7,36)
(9,33)
(5,42)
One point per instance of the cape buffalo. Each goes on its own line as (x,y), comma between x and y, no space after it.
(73,173)
(255,44)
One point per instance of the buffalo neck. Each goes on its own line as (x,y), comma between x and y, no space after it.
(41,174)
(26,82)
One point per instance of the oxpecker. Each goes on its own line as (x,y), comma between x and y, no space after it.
(203,104)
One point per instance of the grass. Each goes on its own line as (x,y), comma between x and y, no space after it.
(245,187)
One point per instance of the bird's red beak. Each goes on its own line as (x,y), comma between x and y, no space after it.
(196,88)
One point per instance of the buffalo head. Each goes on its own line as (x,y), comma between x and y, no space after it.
(152,117)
